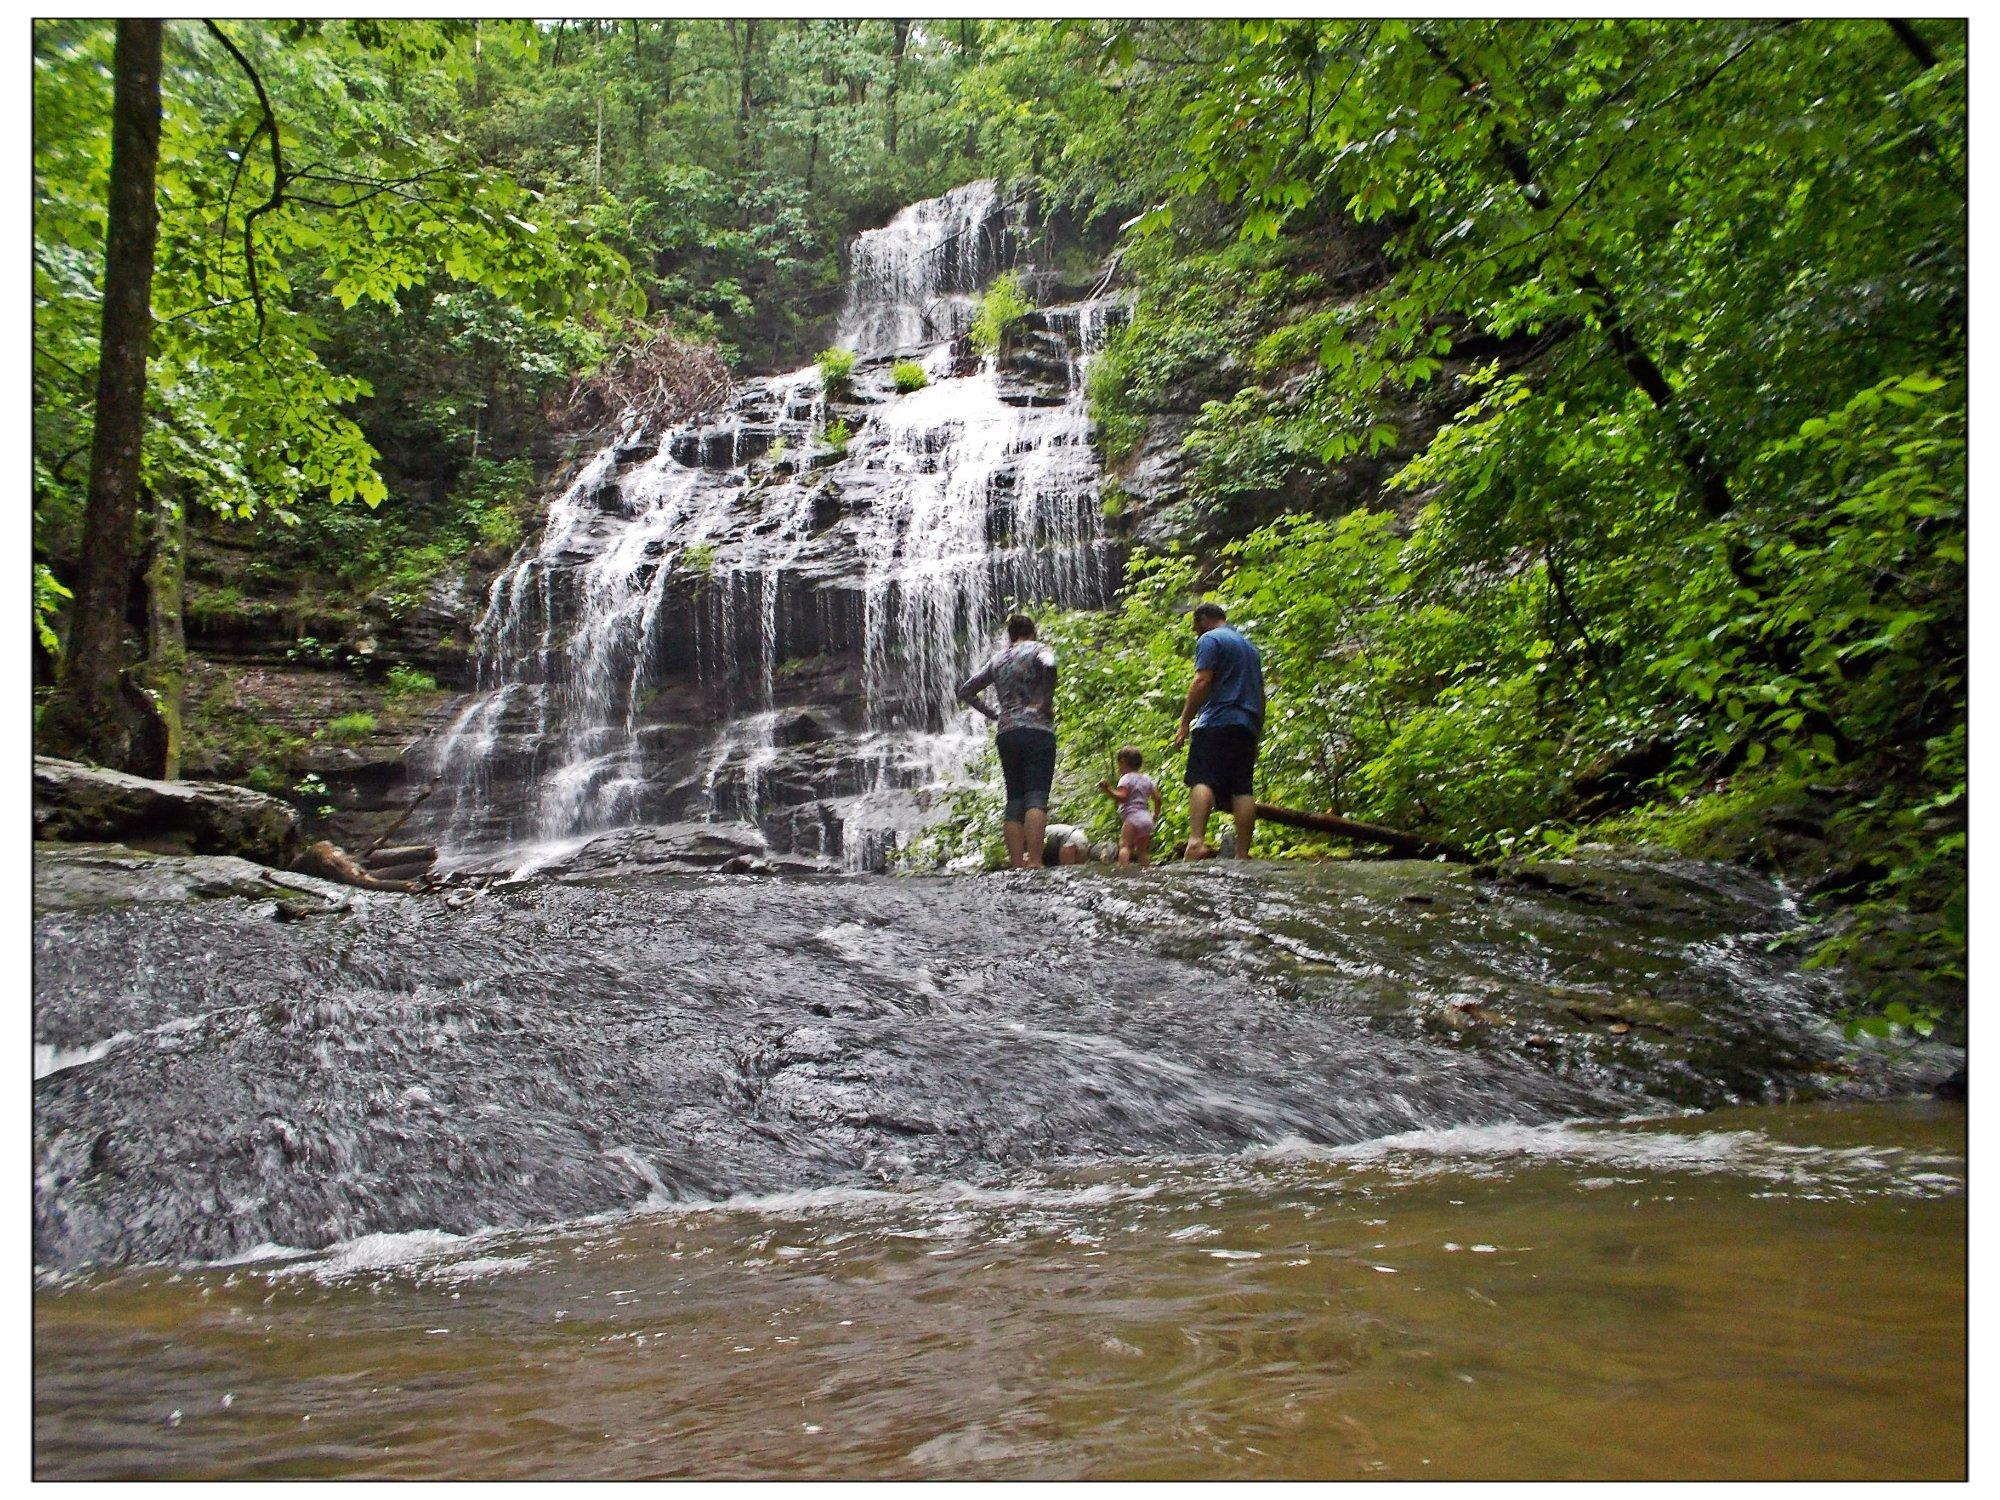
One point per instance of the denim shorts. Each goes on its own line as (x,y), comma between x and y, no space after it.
(1028,762)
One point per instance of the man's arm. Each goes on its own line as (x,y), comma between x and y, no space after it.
(970,689)
(1197,694)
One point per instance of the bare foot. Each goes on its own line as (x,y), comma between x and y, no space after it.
(1196,849)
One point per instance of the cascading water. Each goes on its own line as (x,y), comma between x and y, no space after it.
(912,282)
(759,618)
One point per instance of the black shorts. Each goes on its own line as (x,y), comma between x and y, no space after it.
(1223,758)
(1028,762)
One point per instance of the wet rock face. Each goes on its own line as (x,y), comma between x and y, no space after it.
(94,877)
(762,616)
(216,1081)
(82,804)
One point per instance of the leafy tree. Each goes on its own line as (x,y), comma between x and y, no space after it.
(296,181)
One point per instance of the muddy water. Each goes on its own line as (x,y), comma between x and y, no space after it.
(1770,1292)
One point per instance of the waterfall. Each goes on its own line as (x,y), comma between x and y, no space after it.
(738,621)
(913,281)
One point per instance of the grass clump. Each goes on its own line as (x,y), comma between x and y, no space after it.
(346,728)
(1004,305)
(909,376)
(408,682)
(836,371)
(839,435)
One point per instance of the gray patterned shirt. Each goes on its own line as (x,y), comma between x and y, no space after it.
(1023,678)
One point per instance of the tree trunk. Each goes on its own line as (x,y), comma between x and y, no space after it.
(93,715)
(895,79)
(746,51)
(163,674)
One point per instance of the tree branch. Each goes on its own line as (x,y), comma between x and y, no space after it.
(277,198)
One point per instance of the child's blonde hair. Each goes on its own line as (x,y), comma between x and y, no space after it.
(1131,758)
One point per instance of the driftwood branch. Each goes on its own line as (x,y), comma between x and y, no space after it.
(401,818)
(329,861)
(1412,844)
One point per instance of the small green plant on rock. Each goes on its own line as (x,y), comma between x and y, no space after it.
(699,559)
(839,435)
(407,682)
(909,376)
(1004,305)
(836,371)
(345,728)
(312,786)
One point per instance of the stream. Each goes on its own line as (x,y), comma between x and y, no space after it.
(1342,1170)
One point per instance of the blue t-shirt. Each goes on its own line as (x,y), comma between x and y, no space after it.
(1237,696)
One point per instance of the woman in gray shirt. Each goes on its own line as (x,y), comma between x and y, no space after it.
(1023,679)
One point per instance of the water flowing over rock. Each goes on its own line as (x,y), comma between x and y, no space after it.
(913,280)
(576,1046)
(831,558)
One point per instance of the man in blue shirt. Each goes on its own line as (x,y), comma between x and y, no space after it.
(1224,715)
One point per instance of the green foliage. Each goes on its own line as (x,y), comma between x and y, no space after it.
(256,274)
(699,559)
(1685,304)
(49,594)
(313,789)
(909,376)
(1003,304)
(839,435)
(346,728)
(836,370)
(409,682)
(735,156)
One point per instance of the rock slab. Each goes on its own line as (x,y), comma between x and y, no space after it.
(75,803)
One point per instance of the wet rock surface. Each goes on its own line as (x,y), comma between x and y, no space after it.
(588,1045)
(80,803)
(91,877)
(761,616)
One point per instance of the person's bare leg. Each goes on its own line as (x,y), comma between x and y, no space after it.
(1143,850)
(1016,843)
(1036,838)
(1201,802)
(1245,809)
(1125,842)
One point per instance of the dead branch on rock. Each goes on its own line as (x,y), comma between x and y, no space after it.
(329,861)
(1412,845)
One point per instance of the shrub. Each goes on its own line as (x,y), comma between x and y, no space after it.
(836,370)
(1004,305)
(405,682)
(346,727)
(839,435)
(212,607)
(909,376)
(261,778)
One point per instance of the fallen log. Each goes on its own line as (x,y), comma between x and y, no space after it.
(1412,844)
(331,862)
(400,854)
(412,869)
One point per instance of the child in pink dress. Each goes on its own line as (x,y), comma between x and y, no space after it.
(1138,799)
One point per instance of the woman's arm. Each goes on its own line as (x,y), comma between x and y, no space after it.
(970,689)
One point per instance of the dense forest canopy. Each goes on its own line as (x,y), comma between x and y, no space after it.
(1577,408)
